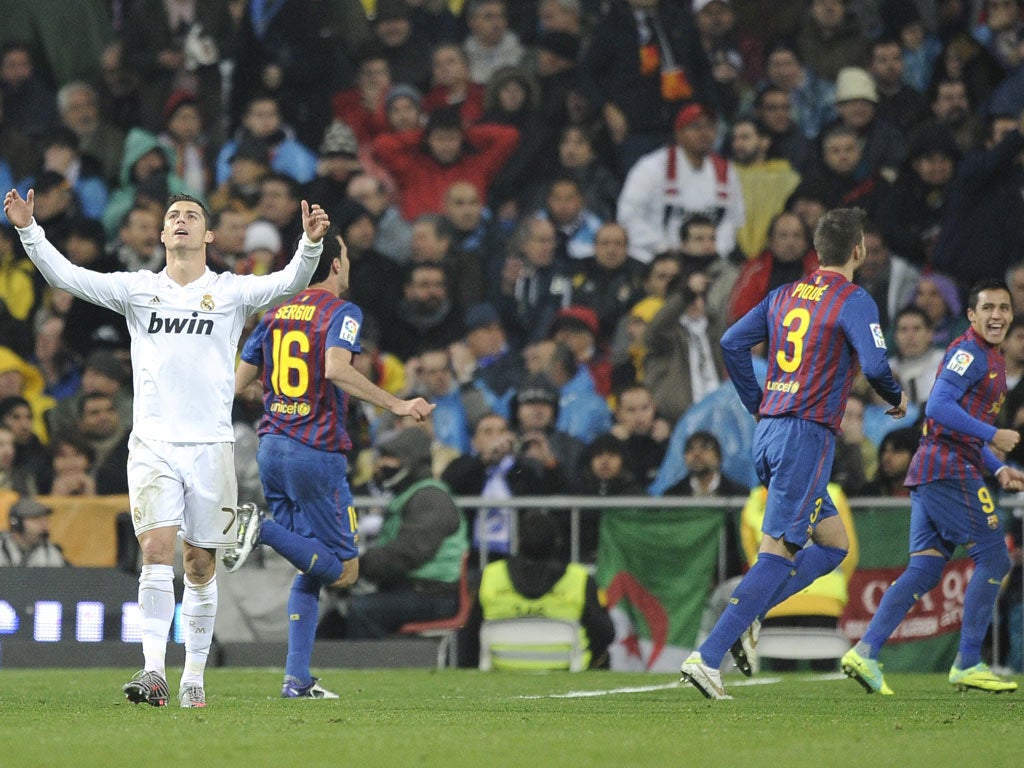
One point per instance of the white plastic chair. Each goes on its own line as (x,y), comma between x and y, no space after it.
(782,642)
(538,642)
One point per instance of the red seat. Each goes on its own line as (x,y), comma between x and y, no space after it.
(446,629)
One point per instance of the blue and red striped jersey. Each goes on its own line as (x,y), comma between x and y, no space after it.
(978,372)
(818,330)
(290,343)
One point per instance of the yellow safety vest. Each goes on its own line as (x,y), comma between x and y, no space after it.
(565,600)
(827,595)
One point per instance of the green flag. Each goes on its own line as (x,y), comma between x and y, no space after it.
(657,566)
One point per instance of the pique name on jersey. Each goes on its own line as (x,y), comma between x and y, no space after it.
(180,325)
(809,292)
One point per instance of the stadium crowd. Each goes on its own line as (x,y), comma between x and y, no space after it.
(553,209)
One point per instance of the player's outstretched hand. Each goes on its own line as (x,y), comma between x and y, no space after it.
(1011,479)
(418,408)
(19,211)
(899,411)
(315,222)
(1006,440)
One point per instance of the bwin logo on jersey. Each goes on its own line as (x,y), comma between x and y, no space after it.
(189,325)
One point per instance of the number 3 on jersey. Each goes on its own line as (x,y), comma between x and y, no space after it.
(288,348)
(796,322)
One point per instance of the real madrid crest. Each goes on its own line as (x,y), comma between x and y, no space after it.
(207,303)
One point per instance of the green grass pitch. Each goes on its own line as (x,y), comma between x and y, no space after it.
(465,718)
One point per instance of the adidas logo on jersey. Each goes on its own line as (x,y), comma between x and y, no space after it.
(188,325)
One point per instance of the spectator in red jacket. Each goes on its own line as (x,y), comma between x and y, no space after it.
(424,163)
(363,107)
(450,85)
(788,257)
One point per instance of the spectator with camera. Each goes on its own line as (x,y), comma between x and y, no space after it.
(497,469)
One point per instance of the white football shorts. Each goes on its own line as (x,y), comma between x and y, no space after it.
(188,485)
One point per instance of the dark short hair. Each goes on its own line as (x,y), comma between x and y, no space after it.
(77,442)
(88,397)
(183,198)
(445,118)
(933,92)
(768,90)
(331,251)
(565,178)
(885,41)
(413,267)
(759,127)
(705,437)
(838,231)
(629,386)
(16,45)
(839,129)
(443,229)
(782,44)
(9,403)
(292,184)
(912,309)
(697,220)
(991,284)
(139,206)
(905,439)
(784,215)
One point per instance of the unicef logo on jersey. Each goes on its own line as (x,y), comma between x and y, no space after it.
(290,409)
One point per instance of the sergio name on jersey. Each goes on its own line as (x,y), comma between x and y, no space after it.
(299,401)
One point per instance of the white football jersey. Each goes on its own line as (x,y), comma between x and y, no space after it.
(184,337)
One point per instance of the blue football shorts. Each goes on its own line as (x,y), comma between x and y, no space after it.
(307,491)
(793,458)
(945,513)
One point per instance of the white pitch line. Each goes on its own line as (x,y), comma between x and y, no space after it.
(675,684)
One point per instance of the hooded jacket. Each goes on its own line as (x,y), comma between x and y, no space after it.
(31,390)
(136,144)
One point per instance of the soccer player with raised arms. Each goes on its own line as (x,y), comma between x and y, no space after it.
(818,329)
(305,348)
(185,323)
(949,501)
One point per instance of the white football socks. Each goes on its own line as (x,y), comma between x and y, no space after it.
(198,613)
(156,604)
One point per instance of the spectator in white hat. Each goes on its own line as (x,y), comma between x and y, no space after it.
(857,104)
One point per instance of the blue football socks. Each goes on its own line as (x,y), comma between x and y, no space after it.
(303,613)
(991,564)
(922,574)
(310,556)
(748,601)
(811,562)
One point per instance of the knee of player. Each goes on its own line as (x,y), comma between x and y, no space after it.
(199,565)
(158,546)
(995,562)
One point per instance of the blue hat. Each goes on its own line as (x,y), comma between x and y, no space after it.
(480,315)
